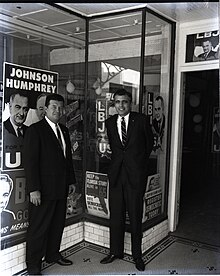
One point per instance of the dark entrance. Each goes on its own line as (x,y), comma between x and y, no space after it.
(199,217)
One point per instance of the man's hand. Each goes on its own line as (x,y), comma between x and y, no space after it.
(35,198)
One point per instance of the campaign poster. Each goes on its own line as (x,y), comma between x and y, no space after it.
(23,89)
(202,46)
(216,130)
(97,194)
(152,198)
(158,122)
(24,93)
(102,144)
(14,213)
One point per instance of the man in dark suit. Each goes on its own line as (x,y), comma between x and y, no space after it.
(208,54)
(18,107)
(131,141)
(49,174)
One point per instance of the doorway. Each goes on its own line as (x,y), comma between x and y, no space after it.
(200,174)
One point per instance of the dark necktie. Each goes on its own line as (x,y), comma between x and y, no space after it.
(59,137)
(20,132)
(123,131)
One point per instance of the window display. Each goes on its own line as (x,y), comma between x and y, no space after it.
(58,59)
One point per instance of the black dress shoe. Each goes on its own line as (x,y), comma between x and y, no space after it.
(64,261)
(110,258)
(139,264)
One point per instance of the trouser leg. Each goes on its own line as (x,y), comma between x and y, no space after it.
(134,202)
(117,219)
(39,221)
(55,232)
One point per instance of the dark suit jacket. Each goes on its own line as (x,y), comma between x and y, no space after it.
(135,154)
(10,129)
(46,168)
(159,131)
(211,55)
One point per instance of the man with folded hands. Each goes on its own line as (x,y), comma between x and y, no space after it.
(131,141)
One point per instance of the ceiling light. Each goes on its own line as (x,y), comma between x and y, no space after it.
(135,22)
(70,87)
(77,29)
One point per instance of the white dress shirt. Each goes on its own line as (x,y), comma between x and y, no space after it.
(15,127)
(53,126)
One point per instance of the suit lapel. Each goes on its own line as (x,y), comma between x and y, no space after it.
(9,127)
(53,135)
(131,124)
(115,131)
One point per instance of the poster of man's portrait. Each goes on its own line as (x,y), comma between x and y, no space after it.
(202,46)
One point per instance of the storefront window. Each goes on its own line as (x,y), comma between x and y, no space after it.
(155,104)
(34,38)
(38,39)
(114,62)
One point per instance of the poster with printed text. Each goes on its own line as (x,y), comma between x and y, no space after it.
(152,198)
(24,93)
(97,194)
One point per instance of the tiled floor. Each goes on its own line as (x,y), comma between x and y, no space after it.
(171,256)
(193,249)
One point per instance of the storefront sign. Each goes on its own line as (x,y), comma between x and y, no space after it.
(97,194)
(202,46)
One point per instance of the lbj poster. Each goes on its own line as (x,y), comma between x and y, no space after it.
(202,46)
(97,194)
(152,198)
(102,144)
(24,94)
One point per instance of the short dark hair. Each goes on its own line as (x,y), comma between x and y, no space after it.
(206,40)
(122,92)
(160,98)
(53,97)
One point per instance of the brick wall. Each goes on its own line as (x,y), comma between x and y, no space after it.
(13,258)
(98,234)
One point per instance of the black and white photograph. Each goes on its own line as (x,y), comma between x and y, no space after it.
(109,138)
